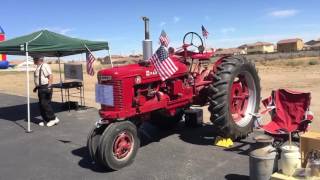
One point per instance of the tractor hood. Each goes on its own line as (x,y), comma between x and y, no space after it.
(124,71)
(133,70)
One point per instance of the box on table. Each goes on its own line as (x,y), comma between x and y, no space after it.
(308,141)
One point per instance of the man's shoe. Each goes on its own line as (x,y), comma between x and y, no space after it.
(41,124)
(57,120)
(53,122)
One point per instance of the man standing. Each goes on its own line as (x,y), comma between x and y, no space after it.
(43,80)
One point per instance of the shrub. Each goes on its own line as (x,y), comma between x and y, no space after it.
(294,63)
(313,62)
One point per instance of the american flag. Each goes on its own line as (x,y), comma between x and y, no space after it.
(205,33)
(163,63)
(164,40)
(90,60)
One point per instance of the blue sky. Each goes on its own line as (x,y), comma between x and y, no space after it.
(230,23)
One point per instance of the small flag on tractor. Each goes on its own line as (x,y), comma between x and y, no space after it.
(164,40)
(205,33)
(163,63)
(90,60)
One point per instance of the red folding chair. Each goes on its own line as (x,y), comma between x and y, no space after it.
(289,112)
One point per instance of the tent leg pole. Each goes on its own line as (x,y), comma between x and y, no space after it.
(83,79)
(28,90)
(60,80)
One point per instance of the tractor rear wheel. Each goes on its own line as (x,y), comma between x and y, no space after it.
(118,145)
(235,97)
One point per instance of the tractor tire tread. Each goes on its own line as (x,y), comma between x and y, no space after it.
(219,102)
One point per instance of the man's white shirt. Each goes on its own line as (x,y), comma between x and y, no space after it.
(45,72)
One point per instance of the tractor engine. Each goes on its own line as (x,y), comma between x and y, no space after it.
(134,90)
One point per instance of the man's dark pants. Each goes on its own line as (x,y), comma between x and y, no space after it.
(45,96)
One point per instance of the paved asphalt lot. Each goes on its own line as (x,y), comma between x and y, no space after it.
(59,152)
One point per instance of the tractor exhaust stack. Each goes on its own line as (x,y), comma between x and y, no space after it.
(146,43)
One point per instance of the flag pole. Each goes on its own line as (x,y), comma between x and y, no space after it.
(205,44)
(110,58)
(88,49)
(204,37)
(91,54)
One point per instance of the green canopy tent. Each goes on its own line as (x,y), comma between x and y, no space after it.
(49,44)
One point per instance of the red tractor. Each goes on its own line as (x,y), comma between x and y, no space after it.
(135,93)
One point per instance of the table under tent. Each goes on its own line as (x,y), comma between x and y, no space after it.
(48,44)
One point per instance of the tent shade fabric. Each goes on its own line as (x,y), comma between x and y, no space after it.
(49,44)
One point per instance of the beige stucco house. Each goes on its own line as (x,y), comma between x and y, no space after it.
(290,45)
(260,47)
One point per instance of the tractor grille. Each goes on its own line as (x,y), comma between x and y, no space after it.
(117,93)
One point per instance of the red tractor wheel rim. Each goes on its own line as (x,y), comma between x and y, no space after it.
(242,99)
(122,145)
(239,99)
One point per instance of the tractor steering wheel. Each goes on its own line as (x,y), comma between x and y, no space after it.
(193,39)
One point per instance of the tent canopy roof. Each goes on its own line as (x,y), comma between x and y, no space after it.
(49,44)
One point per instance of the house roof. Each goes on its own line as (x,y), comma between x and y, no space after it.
(285,41)
(312,42)
(259,43)
(243,46)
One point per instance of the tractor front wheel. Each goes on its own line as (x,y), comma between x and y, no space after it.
(235,97)
(93,142)
(118,145)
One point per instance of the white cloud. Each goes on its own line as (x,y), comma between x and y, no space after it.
(227,30)
(176,19)
(162,24)
(57,29)
(283,13)
(65,30)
